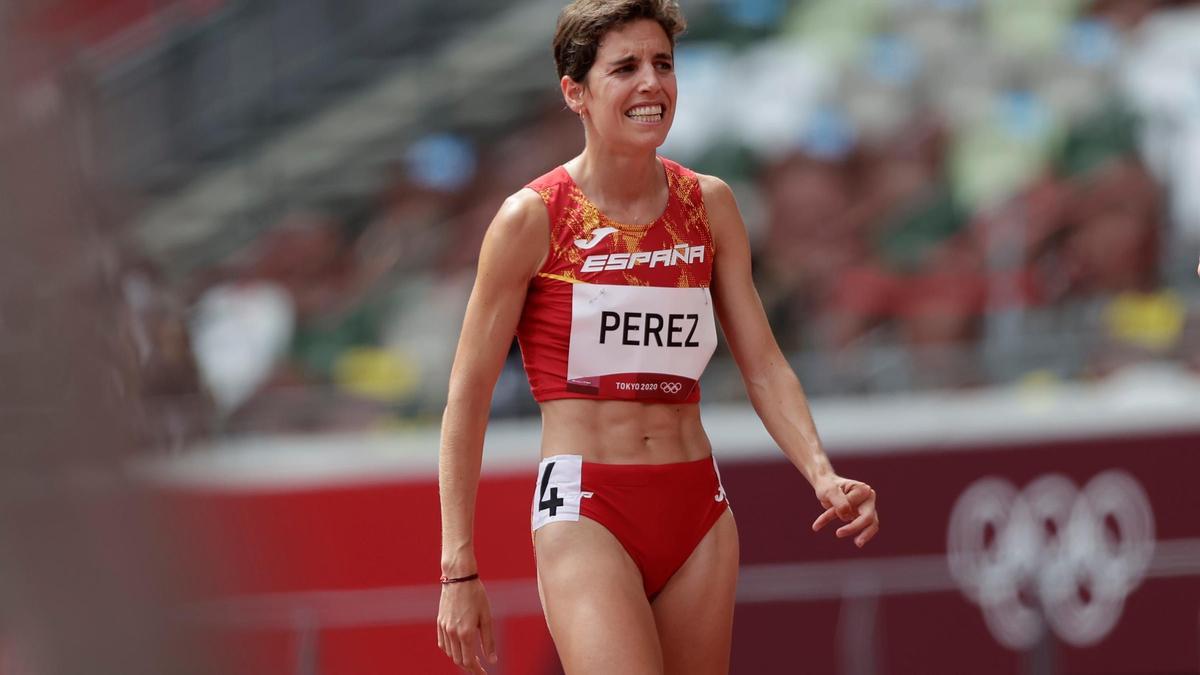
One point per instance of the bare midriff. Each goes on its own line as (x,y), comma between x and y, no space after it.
(624,432)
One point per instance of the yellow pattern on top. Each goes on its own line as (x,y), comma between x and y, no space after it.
(567,277)
(580,218)
(684,187)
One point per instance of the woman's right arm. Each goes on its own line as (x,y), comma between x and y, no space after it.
(514,248)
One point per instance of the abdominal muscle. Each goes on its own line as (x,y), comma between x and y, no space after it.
(624,432)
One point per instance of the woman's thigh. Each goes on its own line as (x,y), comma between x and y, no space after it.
(694,611)
(594,601)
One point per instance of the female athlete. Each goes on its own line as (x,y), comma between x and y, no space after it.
(608,269)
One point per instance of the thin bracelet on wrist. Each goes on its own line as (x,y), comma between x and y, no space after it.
(458,580)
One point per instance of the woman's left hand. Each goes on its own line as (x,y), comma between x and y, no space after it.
(852,502)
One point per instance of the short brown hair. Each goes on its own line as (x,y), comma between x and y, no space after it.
(584,23)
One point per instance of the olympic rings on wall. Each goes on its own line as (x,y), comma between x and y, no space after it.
(1051,554)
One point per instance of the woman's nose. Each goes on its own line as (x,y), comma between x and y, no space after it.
(648,80)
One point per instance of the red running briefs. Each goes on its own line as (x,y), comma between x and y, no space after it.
(659,512)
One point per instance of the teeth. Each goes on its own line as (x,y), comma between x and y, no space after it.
(645,110)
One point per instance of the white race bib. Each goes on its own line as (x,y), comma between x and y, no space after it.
(639,341)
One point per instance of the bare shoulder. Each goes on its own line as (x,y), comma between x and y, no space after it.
(518,239)
(523,214)
(724,220)
(716,192)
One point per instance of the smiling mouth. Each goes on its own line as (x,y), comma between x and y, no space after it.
(646,114)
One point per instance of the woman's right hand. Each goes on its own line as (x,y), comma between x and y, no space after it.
(465,621)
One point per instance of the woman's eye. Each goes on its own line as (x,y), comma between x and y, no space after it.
(665,67)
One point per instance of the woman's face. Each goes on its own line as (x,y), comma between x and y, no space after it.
(627,98)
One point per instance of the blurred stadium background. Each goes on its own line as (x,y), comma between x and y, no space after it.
(237,239)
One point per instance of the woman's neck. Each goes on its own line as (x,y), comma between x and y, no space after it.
(618,178)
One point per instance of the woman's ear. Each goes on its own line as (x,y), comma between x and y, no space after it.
(573,94)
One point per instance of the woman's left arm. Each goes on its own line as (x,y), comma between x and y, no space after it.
(772,386)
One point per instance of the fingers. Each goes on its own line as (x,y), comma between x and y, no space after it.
(864,519)
(854,504)
(476,666)
(866,535)
(824,519)
(841,501)
(470,648)
(455,650)
(464,622)
(866,524)
(489,639)
(467,659)
(857,493)
(455,640)
(841,505)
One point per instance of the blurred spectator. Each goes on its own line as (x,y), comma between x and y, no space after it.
(241,329)
(815,231)
(306,291)
(179,407)
(921,181)
(1112,237)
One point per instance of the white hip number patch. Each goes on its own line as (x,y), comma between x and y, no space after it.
(558,491)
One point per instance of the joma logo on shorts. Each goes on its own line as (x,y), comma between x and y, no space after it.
(667,257)
(635,333)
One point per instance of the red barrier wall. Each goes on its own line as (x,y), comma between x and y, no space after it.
(941,631)
(893,607)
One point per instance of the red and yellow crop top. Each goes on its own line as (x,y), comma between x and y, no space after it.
(620,311)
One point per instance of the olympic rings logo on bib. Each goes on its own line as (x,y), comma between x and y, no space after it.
(669,387)
(1051,554)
